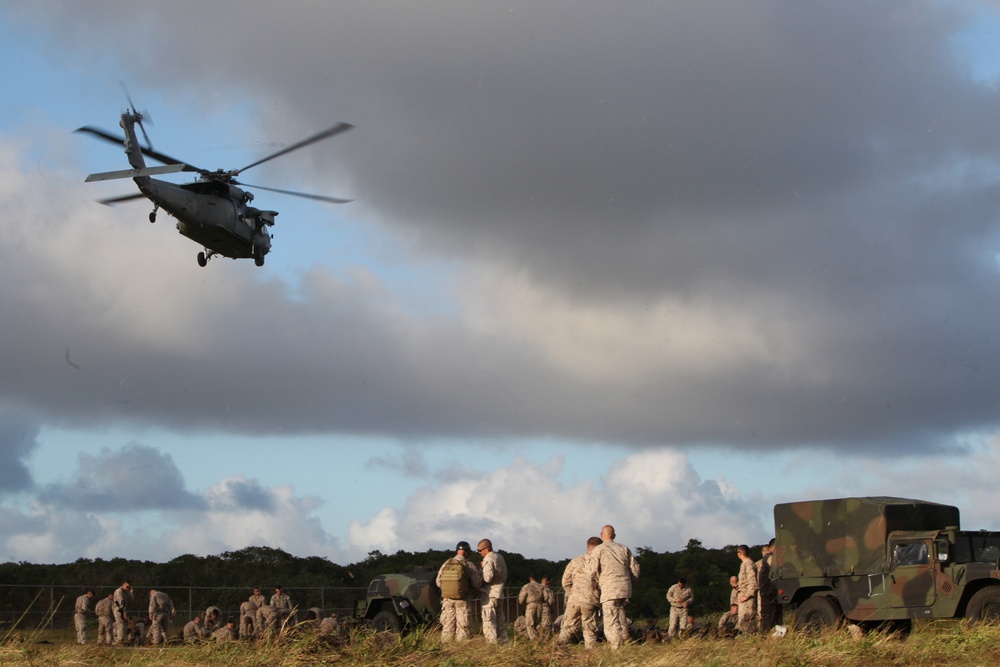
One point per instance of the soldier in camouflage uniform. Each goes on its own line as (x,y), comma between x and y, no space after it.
(193,631)
(80,611)
(494,570)
(248,612)
(530,598)
(105,621)
(616,570)
(734,595)
(257,599)
(283,604)
(680,598)
(268,620)
(161,612)
(768,609)
(119,608)
(548,606)
(747,591)
(455,612)
(579,581)
(224,634)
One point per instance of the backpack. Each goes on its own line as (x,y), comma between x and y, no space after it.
(454,580)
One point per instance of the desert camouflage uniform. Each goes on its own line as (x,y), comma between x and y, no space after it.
(161,612)
(283,605)
(579,580)
(616,570)
(119,607)
(268,620)
(680,599)
(455,614)
(193,631)
(258,600)
(213,620)
(331,624)
(531,597)
(747,588)
(105,621)
(248,614)
(80,611)
(548,604)
(224,634)
(494,577)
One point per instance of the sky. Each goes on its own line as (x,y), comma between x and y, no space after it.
(654,264)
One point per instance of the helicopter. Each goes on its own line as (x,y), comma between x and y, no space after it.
(212,211)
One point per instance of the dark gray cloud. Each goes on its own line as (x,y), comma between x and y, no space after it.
(819,180)
(133,478)
(241,495)
(18,439)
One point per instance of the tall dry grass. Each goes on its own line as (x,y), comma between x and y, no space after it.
(942,643)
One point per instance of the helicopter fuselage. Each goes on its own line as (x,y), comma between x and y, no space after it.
(215,215)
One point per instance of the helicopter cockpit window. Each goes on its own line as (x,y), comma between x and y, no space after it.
(910,554)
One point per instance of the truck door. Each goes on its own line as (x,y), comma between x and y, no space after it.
(911,577)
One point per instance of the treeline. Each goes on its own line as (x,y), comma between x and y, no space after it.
(224,580)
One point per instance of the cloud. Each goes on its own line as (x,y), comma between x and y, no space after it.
(757,229)
(18,439)
(652,498)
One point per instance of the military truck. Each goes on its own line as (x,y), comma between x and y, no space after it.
(401,602)
(879,560)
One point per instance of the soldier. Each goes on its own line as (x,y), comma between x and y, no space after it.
(248,611)
(680,598)
(105,621)
(268,620)
(458,578)
(257,599)
(579,581)
(734,594)
(768,609)
(225,634)
(747,590)
(282,604)
(331,624)
(616,570)
(530,598)
(494,570)
(193,630)
(161,612)
(548,605)
(212,620)
(123,597)
(727,622)
(80,611)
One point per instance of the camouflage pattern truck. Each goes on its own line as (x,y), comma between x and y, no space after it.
(882,560)
(400,602)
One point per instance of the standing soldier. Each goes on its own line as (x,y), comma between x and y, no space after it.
(257,599)
(747,590)
(548,606)
(458,578)
(161,612)
(248,611)
(282,604)
(680,598)
(582,597)
(530,597)
(767,593)
(616,570)
(105,621)
(80,611)
(494,576)
(119,607)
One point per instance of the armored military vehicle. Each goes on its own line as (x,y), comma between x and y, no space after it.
(882,560)
(400,602)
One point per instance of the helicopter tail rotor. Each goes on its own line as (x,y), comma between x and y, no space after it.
(139,117)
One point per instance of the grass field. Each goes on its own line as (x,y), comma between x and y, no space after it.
(941,643)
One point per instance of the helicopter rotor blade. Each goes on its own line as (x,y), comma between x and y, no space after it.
(148,152)
(139,116)
(325,134)
(323,198)
(117,200)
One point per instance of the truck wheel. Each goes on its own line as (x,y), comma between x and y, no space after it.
(984,606)
(386,621)
(816,614)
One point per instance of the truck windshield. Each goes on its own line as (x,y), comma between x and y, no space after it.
(972,548)
(910,554)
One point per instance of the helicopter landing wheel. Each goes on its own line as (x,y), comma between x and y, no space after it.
(152,216)
(202,259)
(258,260)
